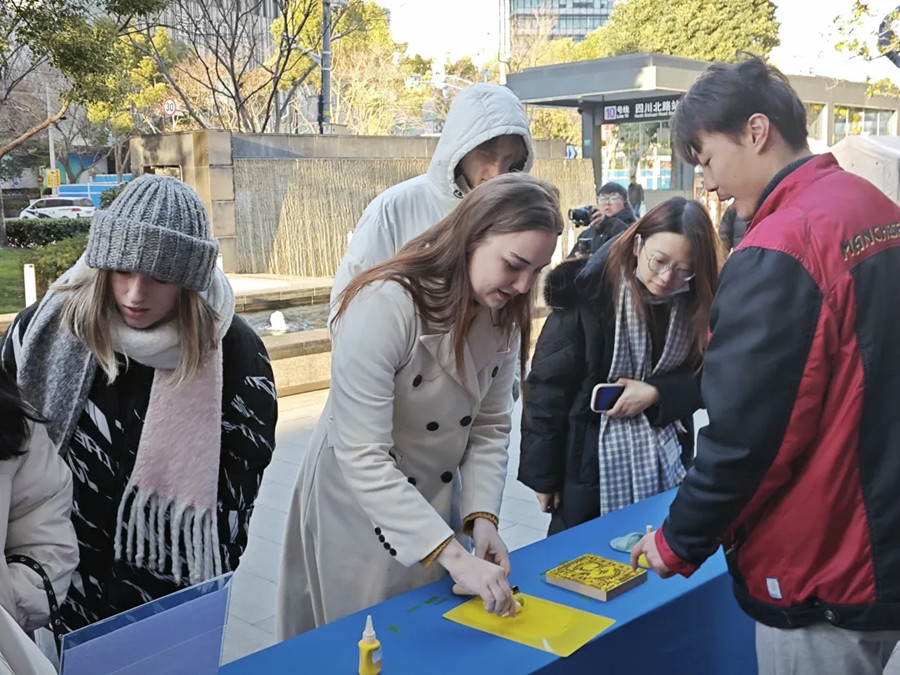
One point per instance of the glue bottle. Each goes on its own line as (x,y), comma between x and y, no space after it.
(369,651)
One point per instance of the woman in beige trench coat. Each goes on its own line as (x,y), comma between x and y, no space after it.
(423,360)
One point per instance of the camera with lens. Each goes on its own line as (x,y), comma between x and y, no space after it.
(582,217)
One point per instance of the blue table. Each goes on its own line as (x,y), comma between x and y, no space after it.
(692,626)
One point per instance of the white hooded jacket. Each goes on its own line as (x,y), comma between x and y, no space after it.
(479,113)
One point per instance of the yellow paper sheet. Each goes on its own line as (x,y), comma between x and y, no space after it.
(541,624)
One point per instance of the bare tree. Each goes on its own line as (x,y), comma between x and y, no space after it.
(22,113)
(242,67)
(533,35)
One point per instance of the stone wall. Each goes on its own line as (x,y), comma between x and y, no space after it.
(205,160)
(297,146)
(294,215)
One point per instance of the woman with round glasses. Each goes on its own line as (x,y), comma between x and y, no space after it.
(636,313)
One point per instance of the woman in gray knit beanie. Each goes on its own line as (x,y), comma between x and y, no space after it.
(160,399)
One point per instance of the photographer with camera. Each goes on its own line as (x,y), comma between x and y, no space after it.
(612,216)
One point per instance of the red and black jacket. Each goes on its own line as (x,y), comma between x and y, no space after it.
(798,473)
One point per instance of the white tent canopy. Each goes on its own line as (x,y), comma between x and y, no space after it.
(875,158)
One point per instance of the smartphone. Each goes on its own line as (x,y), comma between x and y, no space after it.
(605,396)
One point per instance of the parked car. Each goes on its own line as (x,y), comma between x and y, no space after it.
(59,207)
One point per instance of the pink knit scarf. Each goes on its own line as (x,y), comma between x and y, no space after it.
(175,476)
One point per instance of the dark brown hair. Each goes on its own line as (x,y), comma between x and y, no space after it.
(725,96)
(690,219)
(15,415)
(434,267)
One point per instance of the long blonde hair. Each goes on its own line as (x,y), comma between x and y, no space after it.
(434,267)
(89,305)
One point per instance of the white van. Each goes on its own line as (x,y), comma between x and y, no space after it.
(59,207)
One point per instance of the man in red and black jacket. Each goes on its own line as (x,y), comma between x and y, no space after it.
(797,475)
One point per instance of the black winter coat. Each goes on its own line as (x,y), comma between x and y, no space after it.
(560,432)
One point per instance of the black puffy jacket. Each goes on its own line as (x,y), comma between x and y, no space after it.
(560,432)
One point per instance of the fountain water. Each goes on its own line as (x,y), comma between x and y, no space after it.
(277,322)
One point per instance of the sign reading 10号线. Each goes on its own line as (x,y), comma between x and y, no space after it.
(640,110)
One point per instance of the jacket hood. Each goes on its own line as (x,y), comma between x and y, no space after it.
(559,288)
(479,113)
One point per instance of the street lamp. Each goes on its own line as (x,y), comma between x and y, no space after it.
(485,72)
(325,96)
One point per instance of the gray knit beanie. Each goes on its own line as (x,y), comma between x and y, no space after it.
(157,226)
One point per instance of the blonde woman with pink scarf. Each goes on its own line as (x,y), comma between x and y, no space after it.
(159,398)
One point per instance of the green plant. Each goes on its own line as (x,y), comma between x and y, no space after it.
(107,196)
(33,232)
(14,204)
(12,284)
(52,260)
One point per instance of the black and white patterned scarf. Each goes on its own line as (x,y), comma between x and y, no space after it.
(638,460)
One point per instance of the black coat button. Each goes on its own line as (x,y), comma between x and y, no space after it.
(466,421)
(417,380)
(377,530)
(831,615)
(495,371)
(387,546)
(392,552)
(446,476)
(412,480)
(381,538)
(432,426)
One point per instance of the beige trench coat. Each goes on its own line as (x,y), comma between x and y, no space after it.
(373,497)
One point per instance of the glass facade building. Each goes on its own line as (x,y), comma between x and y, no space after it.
(570,18)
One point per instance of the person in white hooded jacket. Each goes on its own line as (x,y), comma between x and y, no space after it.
(485,135)
(35,507)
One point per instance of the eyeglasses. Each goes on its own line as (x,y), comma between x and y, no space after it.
(657,266)
(608,199)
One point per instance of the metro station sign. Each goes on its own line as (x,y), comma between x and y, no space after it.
(640,109)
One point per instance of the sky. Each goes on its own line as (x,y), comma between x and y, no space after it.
(447,28)
(451,29)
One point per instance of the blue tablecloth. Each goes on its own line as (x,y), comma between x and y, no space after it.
(691,626)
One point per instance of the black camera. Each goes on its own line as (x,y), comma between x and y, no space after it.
(582,217)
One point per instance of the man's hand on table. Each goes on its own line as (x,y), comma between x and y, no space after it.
(647,546)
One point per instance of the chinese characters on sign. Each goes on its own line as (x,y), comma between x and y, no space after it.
(640,110)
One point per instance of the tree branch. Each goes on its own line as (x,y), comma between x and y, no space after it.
(12,145)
